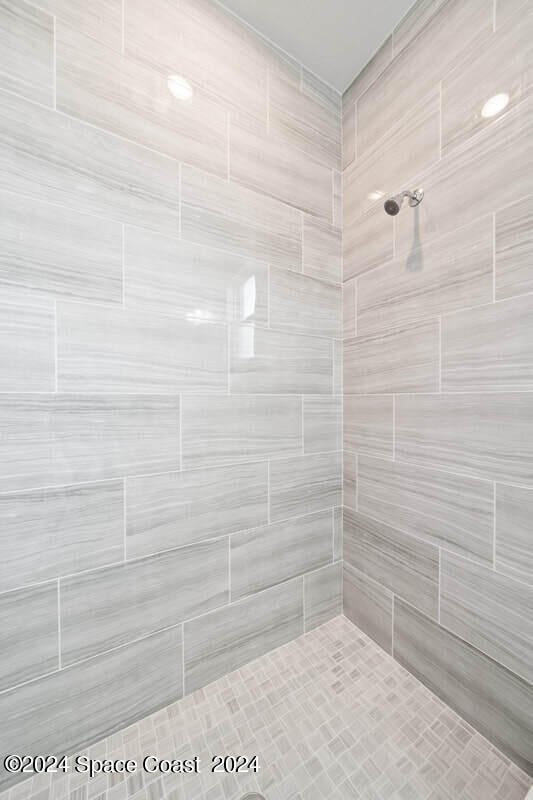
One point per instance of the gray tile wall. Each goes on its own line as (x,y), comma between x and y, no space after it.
(170,359)
(438,359)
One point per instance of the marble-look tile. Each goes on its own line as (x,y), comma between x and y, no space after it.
(320,91)
(322,595)
(53,157)
(52,715)
(349,479)
(446,510)
(337,533)
(349,309)
(226,430)
(271,166)
(108,607)
(506,9)
(404,360)
(454,272)
(368,424)
(279,362)
(368,605)
(221,214)
(482,435)
(497,702)
(514,512)
(337,366)
(403,564)
(101,19)
(121,349)
(27,52)
(27,343)
(413,23)
(231,637)
(28,634)
(489,348)
(301,304)
(491,611)
(367,241)
(201,284)
(179,508)
(272,554)
(51,250)
(514,249)
(322,424)
(114,92)
(337,199)
(302,484)
(59,439)
(348,134)
(322,249)
(51,532)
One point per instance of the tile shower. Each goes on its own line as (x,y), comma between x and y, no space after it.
(231,409)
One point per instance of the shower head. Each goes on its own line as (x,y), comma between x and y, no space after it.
(393,204)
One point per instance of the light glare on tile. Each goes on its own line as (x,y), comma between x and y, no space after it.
(495,105)
(179,87)
(377,195)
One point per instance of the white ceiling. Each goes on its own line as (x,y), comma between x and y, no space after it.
(333,38)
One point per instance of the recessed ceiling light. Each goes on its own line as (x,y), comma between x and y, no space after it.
(377,195)
(179,87)
(495,105)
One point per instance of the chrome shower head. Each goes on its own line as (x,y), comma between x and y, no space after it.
(393,204)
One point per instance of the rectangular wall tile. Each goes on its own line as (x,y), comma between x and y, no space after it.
(337,199)
(263,360)
(368,605)
(322,424)
(28,634)
(108,607)
(349,483)
(405,360)
(51,532)
(42,717)
(322,249)
(514,512)
(101,19)
(59,439)
(413,23)
(304,305)
(506,9)
(349,312)
(491,611)
(231,217)
(514,249)
(226,639)
(201,284)
(489,348)
(446,510)
(111,349)
(403,564)
(269,555)
(337,533)
(26,56)
(178,508)
(367,241)
(368,424)
(494,700)
(225,430)
(482,435)
(303,484)
(322,595)
(27,343)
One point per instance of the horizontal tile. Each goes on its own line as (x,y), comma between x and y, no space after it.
(178,508)
(108,607)
(274,361)
(446,510)
(482,435)
(52,250)
(349,482)
(349,312)
(100,85)
(367,241)
(368,424)
(59,439)
(118,349)
(491,611)
(304,305)
(497,702)
(403,564)
(514,249)
(274,553)
(322,424)
(27,53)
(489,348)
(28,634)
(303,484)
(27,343)
(368,605)
(194,282)
(101,19)
(230,637)
(322,595)
(514,511)
(51,532)
(221,214)
(451,273)
(119,688)
(405,360)
(225,430)
(413,23)
(322,249)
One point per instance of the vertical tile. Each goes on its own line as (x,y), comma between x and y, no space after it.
(322,424)
(322,595)
(368,424)
(368,605)
(26,57)
(514,249)
(302,484)
(27,343)
(322,249)
(367,241)
(349,312)
(514,510)
(305,305)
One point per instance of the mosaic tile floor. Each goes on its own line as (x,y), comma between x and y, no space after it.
(329,715)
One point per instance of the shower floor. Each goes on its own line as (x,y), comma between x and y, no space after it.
(329,715)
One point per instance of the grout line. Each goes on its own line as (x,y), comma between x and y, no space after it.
(56,351)
(124,482)
(54,62)
(303,604)
(357,482)
(229,569)
(440,359)
(180,434)
(183,659)
(392,625)
(59,645)
(439,585)
(494,525)
(302,412)
(494,259)
(394,427)
(268,493)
